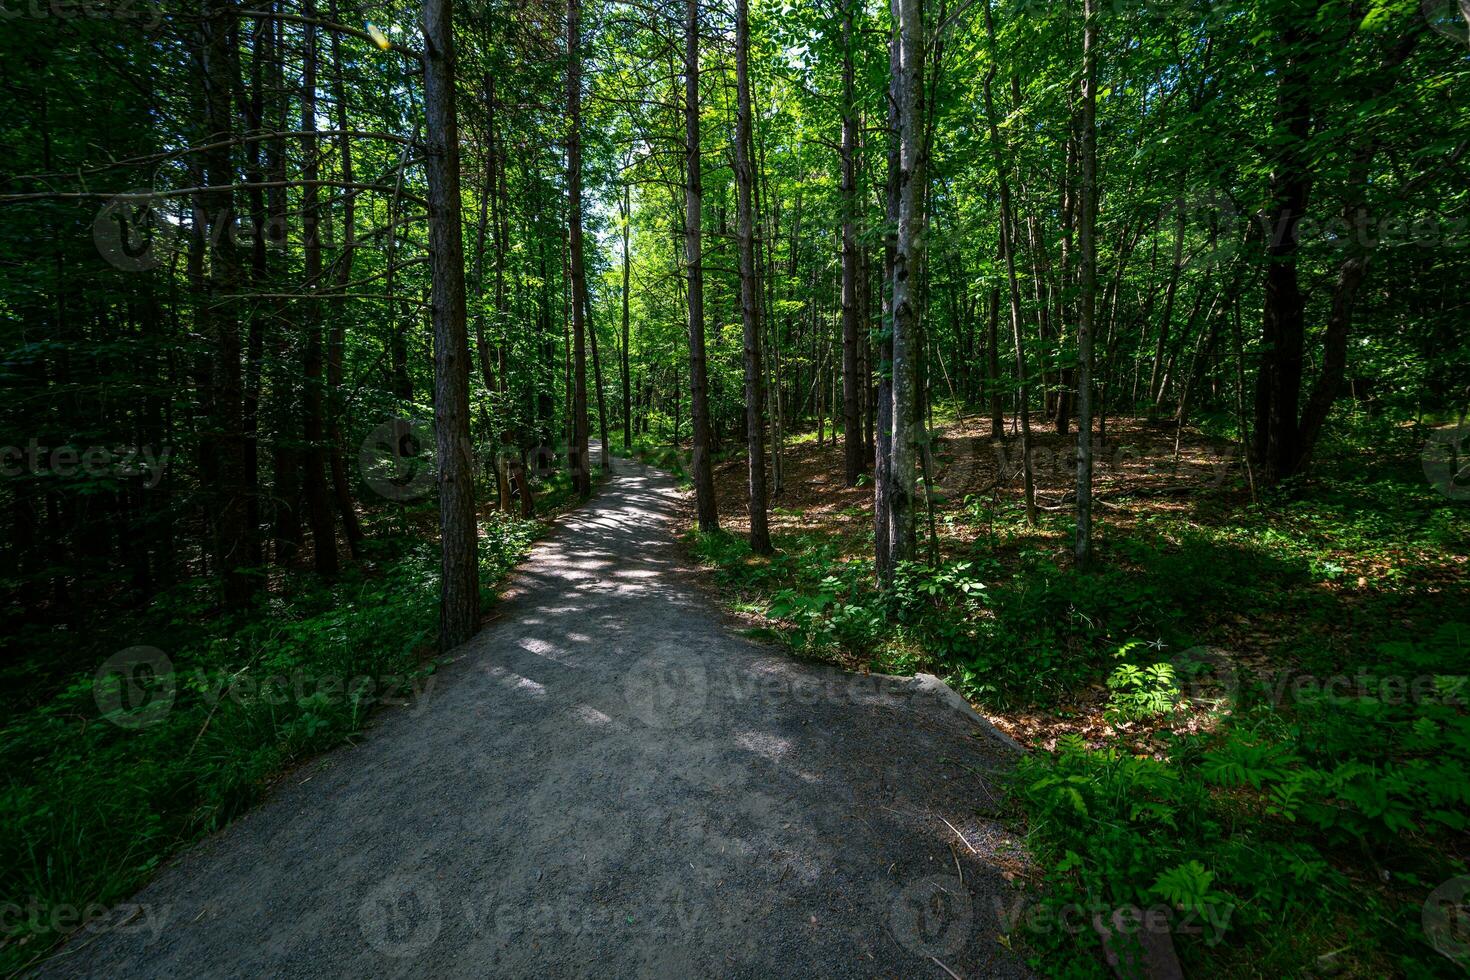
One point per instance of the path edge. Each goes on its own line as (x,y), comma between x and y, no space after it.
(941,692)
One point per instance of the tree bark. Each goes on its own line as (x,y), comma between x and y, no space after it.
(852,434)
(578,457)
(627,215)
(314,455)
(228,496)
(1008,250)
(908,258)
(605,456)
(750,312)
(262,53)
(498,467)
(883,427)
(992,366)
(336,338)
(1278,388)
(1087,245)
(459,603)
(701,464)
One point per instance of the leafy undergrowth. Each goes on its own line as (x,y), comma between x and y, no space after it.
(673,459)
(110,771)
(1248,719)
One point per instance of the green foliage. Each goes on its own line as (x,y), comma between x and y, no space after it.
(1141,692)
(92,807)
(1267,825)
(1260,821)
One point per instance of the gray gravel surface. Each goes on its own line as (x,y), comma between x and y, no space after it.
(609,780)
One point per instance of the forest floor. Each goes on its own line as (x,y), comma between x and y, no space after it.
(1248,719)
(610,779)
(1139,464)
(1140,483)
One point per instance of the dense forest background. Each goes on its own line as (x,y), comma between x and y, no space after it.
(311,308)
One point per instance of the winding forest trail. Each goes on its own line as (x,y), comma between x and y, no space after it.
(611,780)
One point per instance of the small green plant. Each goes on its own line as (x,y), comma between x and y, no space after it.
(1140,691)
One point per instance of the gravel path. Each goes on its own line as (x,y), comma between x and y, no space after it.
(609,780)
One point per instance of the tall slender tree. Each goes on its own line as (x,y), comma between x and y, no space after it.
(459,588)
(1008,252)
(224,392)
(852,381)
(750,293)
(626,216)
(883,426)
(314,458)
(580,463)
(907,262)
(703,466)
(337,335)
(1087,245)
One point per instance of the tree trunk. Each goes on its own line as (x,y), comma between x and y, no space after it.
(605,456)
(852,438)
(314,455)
(1087,245)
(907,262)
(459,602)
(750,313)
(341,489)
(883,427)
(702,465)
(1008,250)
(1278,388)
(228,496)
(1155,379)
(992,366)
(499,466)
(627,214)
(581,465)
(263,53)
